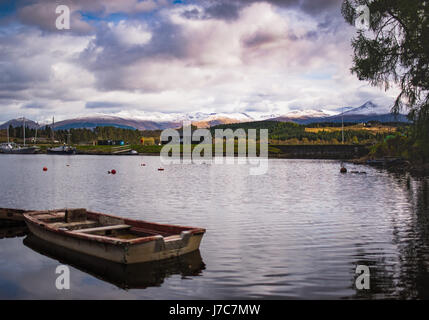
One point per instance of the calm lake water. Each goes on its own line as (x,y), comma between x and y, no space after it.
(298,231)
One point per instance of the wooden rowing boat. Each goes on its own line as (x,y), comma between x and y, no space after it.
(113,238)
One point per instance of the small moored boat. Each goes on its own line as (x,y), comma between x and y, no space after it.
(113,238)
(68,150)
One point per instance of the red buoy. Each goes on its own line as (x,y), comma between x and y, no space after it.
(113,171)
(45,169)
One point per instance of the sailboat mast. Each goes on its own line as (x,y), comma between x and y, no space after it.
(23,121)
(342,124)
(52,129)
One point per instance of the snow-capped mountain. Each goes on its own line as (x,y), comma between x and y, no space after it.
(160,121)
(304,116)
(367,112)
(368,108)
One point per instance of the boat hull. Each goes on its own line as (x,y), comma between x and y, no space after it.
(29,150)
(153,248)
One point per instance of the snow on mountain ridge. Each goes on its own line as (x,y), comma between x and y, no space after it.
(368,108)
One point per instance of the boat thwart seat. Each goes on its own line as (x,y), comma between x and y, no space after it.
(75,225)
(105,228)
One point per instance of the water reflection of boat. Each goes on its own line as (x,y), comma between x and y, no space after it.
(12,229)
(135,276)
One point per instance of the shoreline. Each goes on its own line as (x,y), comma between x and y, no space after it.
(393,165)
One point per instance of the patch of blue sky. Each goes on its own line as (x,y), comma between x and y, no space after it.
(98,16)
(322,75)
(12,28)
(94,17)
(7,8)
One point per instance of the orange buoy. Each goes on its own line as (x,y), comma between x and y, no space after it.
(113,171)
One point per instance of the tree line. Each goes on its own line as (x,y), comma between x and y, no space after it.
(280,132)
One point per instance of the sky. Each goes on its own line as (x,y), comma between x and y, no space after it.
(135,57)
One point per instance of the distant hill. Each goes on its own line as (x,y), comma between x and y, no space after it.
(367,118)
(365,113)
(18,123)
(112,121)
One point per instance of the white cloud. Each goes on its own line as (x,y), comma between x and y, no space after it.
(266,60)
(127,34)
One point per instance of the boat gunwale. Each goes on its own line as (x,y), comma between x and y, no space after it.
(29,218)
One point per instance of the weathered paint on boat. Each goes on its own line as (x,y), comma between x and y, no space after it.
(113,238)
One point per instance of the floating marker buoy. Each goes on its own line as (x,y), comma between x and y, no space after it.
(113,171)
(343,170)
(45,169)
(160,169)
(143,165)
(108,172)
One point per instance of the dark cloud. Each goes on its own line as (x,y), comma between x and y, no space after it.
(215,10)
(259,39)
(229,9)
(101,105)
(224,9)
(167,42)
(33,106)
(192,14)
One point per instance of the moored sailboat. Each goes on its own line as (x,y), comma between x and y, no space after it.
(64,149)
(13,148)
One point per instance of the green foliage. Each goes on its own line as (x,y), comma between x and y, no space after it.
(396,51)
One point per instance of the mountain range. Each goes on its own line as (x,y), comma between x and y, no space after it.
(160,121)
